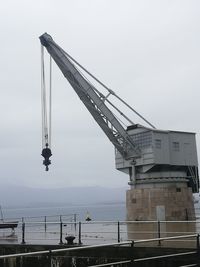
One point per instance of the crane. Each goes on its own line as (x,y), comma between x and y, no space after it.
(147,154)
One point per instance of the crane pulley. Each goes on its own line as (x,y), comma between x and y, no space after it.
(46,96)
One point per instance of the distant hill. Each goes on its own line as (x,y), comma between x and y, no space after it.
(26,196)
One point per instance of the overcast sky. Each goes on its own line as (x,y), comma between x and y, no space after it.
(148,52)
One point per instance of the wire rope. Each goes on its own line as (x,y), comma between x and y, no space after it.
(46,103)
(104,98)
(42,106)
(108,89)
(43,100)
(50,98)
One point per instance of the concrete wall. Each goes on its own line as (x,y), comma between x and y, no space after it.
(96,256)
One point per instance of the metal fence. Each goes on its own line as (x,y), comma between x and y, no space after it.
(46,230)
(127,262)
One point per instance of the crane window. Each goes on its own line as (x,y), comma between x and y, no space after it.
(176,146)
(133,200)
(158,143)
(142,140)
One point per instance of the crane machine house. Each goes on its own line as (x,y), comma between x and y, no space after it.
(162,165)
(163,177)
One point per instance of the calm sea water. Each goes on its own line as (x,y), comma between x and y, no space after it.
(99,212)
(110,212)
(91,233)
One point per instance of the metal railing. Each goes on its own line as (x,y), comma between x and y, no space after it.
(51,253)
(94,232)
(174,255)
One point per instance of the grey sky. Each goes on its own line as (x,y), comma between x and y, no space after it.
(146,51)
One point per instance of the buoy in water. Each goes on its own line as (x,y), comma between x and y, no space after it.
(88,218)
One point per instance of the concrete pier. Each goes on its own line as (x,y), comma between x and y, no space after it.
(160,203)
(167,202)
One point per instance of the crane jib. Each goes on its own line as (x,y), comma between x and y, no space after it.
(93,102)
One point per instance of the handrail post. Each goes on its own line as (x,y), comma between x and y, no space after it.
(198,246)
(50,256)
(132,254)
(79,233)
(23,233)
(75,222)
(61,233)
(45,223)
(21,261)
(159,242)
(118,231)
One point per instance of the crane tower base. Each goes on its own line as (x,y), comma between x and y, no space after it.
(161,211)
(171,203)
(148,207)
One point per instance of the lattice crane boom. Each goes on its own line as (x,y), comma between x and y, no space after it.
(92,100)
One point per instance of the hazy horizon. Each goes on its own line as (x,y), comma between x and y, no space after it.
(28,197)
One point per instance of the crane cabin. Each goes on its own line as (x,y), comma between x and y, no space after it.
(166,157)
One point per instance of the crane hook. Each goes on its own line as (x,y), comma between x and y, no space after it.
(46,153)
